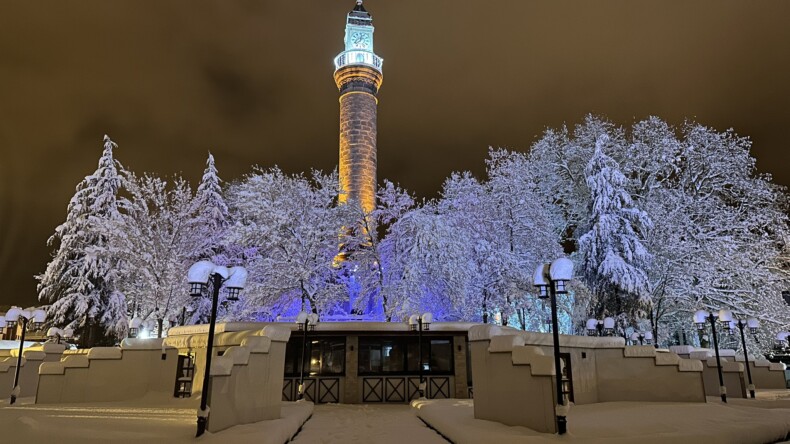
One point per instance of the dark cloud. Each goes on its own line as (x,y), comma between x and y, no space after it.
(252,81)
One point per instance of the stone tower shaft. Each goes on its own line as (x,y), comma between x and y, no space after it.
(358,77)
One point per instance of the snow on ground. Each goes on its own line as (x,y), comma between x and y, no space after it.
(759,421)
(366,424)
(144,420)
(14,345)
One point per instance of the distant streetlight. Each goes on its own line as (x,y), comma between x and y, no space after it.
(199,276)
(420,323)
(701,317)
(304,323)
(600,327)
(14,316)
(753,324)
(550,279)
(56,334)
(644,337)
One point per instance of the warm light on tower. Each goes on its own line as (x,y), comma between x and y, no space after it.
(358,77)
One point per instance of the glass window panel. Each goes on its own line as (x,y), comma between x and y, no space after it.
(333,356)
(441,355)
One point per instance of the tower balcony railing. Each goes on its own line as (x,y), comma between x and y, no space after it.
(358,57)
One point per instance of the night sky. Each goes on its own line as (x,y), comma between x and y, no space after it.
(252,82)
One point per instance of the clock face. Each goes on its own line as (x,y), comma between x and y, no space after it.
(360,40)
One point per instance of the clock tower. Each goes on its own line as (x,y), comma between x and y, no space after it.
(358,77)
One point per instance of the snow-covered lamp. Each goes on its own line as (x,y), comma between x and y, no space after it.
(197,276)
(54,333)
(783,339)
(542,280)
(608,325)
(592,327)
(12,317)
(427,318)
(236,282)
(753,325)
(310,320)
(700,319)
(561,271)
(2,326)
(134,326)
(38,318)
(725,317)
(648,337)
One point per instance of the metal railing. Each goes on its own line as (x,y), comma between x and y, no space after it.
(356,57)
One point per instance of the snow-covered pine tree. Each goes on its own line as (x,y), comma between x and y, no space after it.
(613,256)
(211,210)
(80,280)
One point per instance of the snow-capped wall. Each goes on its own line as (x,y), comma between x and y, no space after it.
(246,381)
(32,358)
(109,373)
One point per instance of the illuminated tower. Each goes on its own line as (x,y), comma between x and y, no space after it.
(358,77)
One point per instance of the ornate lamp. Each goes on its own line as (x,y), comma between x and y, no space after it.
(236,282)
(134,326)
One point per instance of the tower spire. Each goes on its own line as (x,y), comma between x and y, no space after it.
(358,76)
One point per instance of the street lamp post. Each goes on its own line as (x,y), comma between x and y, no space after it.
(700,318)
(304,323)
(419,323)
(550,279)
(199,276)
(753,324)
(16,315)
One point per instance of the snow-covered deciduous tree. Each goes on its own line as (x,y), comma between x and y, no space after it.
(425,261)
(293,226)
(80,282)
(366,266)
(157,236)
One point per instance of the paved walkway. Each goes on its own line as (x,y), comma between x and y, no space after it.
(366,424)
